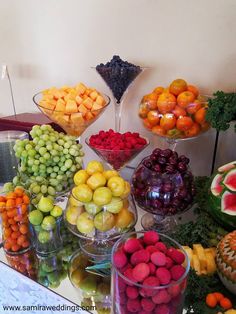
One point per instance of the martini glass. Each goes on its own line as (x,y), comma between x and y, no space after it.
(113,80)
(117,159)
(72,123)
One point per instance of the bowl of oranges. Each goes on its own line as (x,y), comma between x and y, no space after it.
(176,112)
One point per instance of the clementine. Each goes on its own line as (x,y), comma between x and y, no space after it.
(200,115)
(147,124)
(151,100)
(185,98)
(178,86)
(166,102)
(153,117)
(158,90)
(184,123)
(194,106)
(193,89)
(193,131)
(143,110)
(158,130)
(179,112)
(168,121)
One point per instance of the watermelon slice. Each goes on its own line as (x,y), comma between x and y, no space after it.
(228,203)
(216,188)
(230,180)
(227,167)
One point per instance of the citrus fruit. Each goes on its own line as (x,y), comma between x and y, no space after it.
(74,202)
(35,217)
(194,130)
(158,90)
(43,236)
(117,185)
(178,86)
(127,190)
(185,98)
(153,117)
(147,123)
(85,223)
(56,211)
(45,204)
(102,196)
(94,166)
(168,121)
(104,221)
(157,129)
(115,205)
(124,218)
(110,173)
(200,116)
(83,193)
(166,102)
(179,112)
(92,208)
(96,180)
(194,107)
(72,214)
(49,223)
(184,123)
(193,89)
(80,177)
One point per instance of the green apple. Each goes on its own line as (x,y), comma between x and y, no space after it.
(96,180)
(81,177)
(45,204)
(72,213)
(49,223)
(35,217)
(89,285)
(102,196)
(104,221)
(94,166)
(83,193)
(115,205)
(110,173)
(44,236)
(56,211)
(116,185)
(85,223)
(92,208)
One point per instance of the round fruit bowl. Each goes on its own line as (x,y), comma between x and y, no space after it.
(161,188)
(117,158)
(178,112)
(100,223)
(149,274)
(73,121)
(93,288)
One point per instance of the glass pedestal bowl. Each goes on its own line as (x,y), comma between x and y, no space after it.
(72,122)
(117,158)
(162,195)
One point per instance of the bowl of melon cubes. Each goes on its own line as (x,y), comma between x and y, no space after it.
(72,108)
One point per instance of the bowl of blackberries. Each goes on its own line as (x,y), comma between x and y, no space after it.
(163,184)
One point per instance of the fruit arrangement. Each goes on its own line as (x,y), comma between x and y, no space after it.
(162,183)
(175,112)
(149,273)
(14,214)
(51,271)
(47,162)
(25,262)
(201,260)
(225,260)
(45,221)
(73,108)
(99,202)
(116,148)
(118,75)
(222,200)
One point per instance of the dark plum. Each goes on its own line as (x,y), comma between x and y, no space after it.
(156,152)
(157,168)
(173,161)
(170,168)
(166,153)
(182,167)
(182,193)
(184,159)
(162,160)
(167,187)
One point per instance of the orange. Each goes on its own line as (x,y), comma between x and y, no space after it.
(151,100)
(193,89)
(22,209)
(211,300)
(15,234)
(194,130)
(2,206)
(21,239)
(4,216)
(26,199)
(200,115)
(184,123)
(226,303)
(178,86)
(19,191)
(158,90)
(15,247)
(12,221)
(158,130)
(7,233)
(166,102)
(153,117)
(143,110)
(23,228)
(11,195)
(194,107)
(179,112)
(168,121)
(19,201)
(10,203)
(185,98)
(7,246)
(205,126)
(147,124)
(15,227)
(219,296)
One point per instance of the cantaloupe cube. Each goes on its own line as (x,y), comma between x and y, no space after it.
(199,251)
(211,264)
(100,100)
(89,116)
(88,91)
(93,95)
(82,109)
(65,88)
(72,94)
(96,106)
(88,103)
(48,104)
(80,88)
(61,105)
(77,117)
(189,252)
(78,100)
(71,106)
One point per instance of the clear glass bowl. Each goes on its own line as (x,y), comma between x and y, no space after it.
(100,224)
(173,292)
(72,123)
(24,261)
(117,159)
(175,122)
(93,289)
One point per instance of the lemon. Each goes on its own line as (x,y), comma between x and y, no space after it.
(102,196)
(96,180)
(110,173)
(81,177)
(117,185)
(83,193)
(94,166)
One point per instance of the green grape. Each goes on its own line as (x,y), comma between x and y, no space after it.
(44,189)
(68,173)
(56,159)
(49,170)
(42,150)
(73,168)
(45,137)
(38,197)
(68,163)
(24,154)
(35,168)
(54,152)
(36,189)
(55,168)
(51,191)
(37,147)
(63,168)
(53,175)
(39,132)
(30,162)
(53,138)
(42,167)
(31,152)
(49,146)
(36,162)
(47,156)
(42,160)
(81,153)
(41,143)
(53,182)
(72,151)
(60,142)
(78,160)
(56,146)
(63,158)
(36,140)
(65,151)
(60,177)
(39,179)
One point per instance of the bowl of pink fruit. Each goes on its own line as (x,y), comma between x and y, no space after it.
(149,274)
(163,186)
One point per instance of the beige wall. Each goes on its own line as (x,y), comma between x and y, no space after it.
(54,42)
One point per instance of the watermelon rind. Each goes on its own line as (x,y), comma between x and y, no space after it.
(229,175)
(227,166)
(216,188)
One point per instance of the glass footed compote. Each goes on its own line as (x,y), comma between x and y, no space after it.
(119,79)
(73,123)
(117,158)
(174,123)
(162,195)
(98,226)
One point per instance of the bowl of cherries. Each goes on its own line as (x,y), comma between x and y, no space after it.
(163,186)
